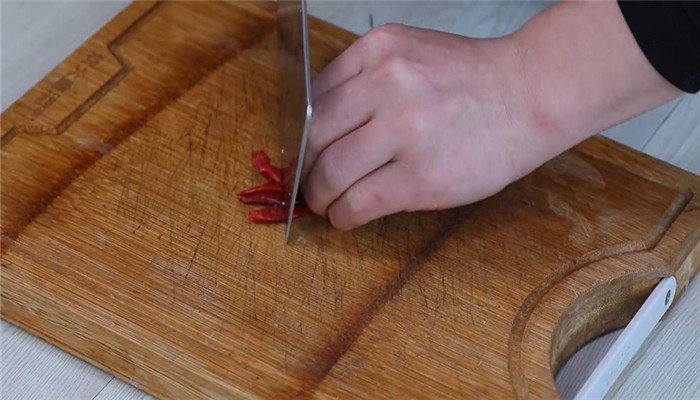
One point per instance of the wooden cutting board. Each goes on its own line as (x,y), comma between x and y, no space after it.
(123,241)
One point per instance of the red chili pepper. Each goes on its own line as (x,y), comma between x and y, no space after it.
(301,210)
(272,193)
(265,199)
(269,215)
(269,187)
(261,163)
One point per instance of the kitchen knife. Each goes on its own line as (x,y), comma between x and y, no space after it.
(295,96)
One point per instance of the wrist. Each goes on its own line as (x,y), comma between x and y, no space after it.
(585,72)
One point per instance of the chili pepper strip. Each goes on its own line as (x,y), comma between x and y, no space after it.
(301,210)
(261,163)
(266,199)
(269,187)
(267,215)
(275,214)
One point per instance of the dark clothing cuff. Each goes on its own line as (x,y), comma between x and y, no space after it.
(668,32)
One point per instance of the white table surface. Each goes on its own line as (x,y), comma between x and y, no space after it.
(36,36)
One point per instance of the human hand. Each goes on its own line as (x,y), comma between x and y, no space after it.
(410,119)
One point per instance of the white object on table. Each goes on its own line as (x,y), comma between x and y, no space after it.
(629,342)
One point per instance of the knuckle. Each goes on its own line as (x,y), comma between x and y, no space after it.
(328,170)
(394,69)
(314,203)
(383,36)
(315,140)
(316,210)
(311,197)
(324,183)
(355,201)
(338,220)
(341,217)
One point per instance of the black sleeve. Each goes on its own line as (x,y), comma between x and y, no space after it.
(668,32)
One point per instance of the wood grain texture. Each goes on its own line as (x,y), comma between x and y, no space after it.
(123,241)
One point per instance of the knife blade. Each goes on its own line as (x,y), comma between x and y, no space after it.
(295,108)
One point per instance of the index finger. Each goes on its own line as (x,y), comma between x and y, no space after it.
(346,66)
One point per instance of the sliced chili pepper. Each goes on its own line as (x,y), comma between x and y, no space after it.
(269,187)
(301,210)
(261,163)
(273,193)
(268,215)
(265,199)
